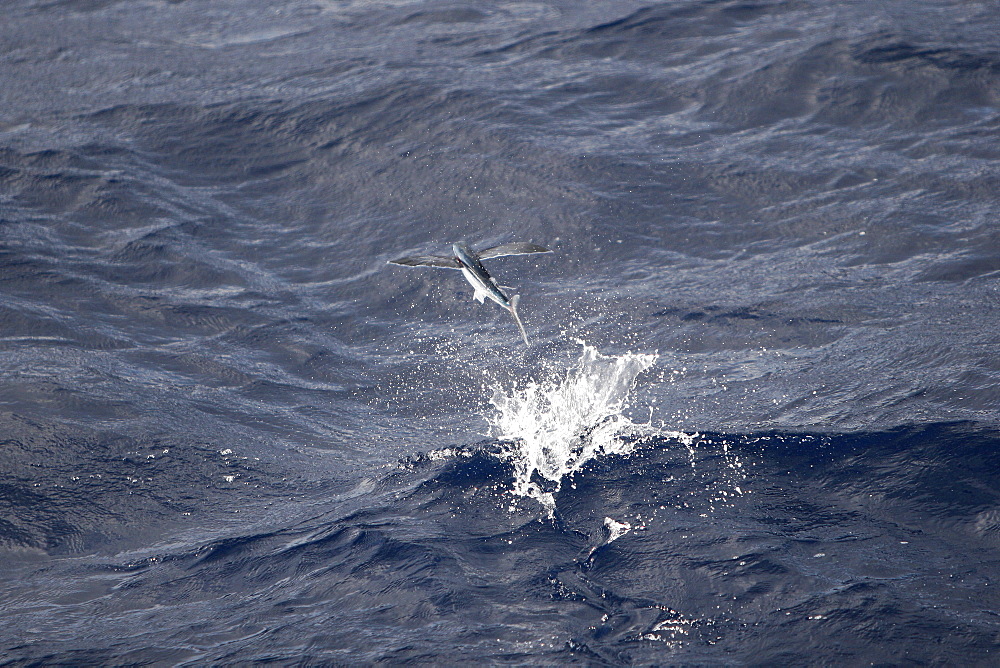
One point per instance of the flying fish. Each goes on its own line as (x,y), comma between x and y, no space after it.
(471,266)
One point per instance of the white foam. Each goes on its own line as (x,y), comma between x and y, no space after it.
(616,529)
(557,425)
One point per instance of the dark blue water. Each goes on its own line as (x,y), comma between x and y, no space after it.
(759,420)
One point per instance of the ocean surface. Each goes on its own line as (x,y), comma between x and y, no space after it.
(759,419)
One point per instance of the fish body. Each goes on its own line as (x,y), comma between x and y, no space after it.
(470,264)
(475,273)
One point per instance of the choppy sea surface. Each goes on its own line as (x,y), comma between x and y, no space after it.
(758,422)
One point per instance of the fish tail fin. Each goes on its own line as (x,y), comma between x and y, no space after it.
(517,318)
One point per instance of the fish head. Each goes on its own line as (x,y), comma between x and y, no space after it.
(463,254)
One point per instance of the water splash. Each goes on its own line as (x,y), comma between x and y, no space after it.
(557,425)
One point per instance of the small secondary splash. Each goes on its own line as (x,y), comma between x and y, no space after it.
(557,425)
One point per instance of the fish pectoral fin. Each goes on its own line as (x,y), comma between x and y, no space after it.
(480,296)
(428,261)
(517,248)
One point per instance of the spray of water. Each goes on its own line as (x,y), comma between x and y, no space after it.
(553,427)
